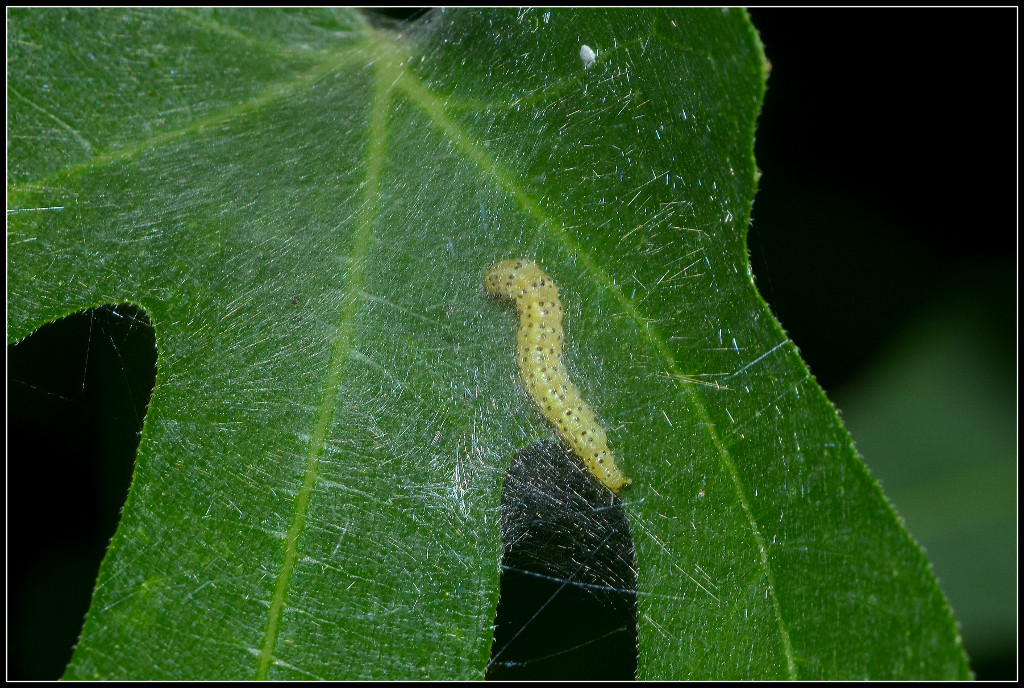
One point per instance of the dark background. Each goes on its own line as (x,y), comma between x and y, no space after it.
(888,147)
(884,238)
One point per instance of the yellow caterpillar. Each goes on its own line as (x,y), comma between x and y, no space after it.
(539,353)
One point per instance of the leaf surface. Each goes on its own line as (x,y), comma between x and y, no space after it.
(305,204)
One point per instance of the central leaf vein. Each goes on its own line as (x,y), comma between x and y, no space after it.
(343,347)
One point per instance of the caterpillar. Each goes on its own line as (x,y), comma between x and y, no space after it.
(539,354)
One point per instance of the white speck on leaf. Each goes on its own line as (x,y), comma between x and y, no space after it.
(588,56)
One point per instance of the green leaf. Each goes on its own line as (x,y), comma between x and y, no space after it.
(305,204)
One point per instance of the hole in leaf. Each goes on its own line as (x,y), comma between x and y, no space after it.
(77,393)
(567,609)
